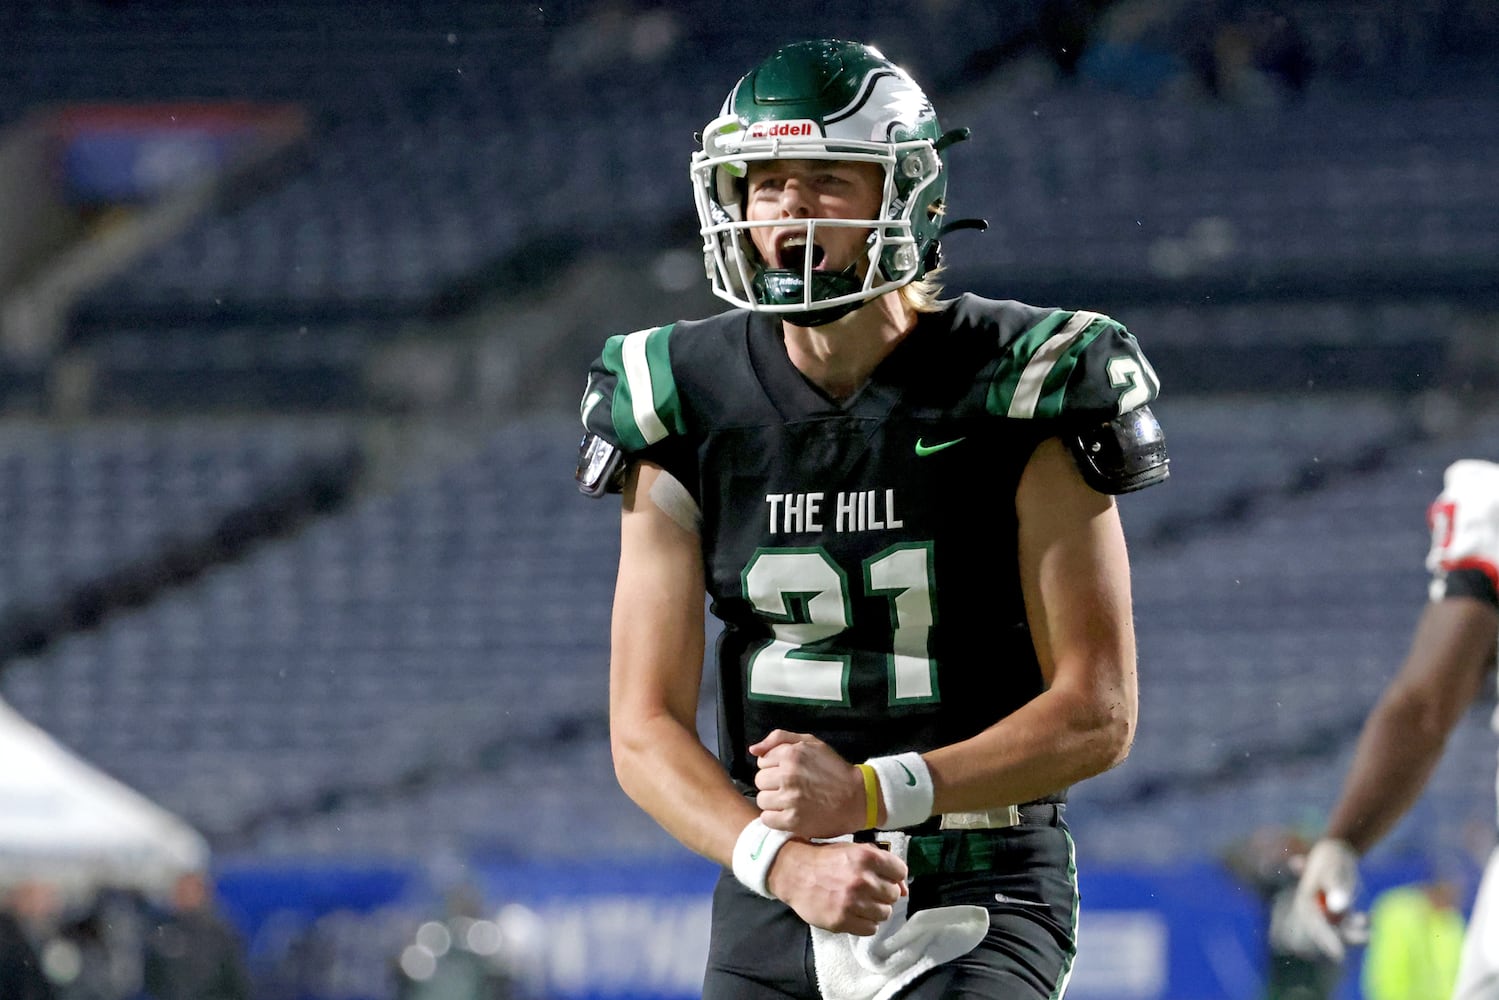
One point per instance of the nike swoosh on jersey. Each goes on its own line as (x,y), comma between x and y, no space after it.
(923,449)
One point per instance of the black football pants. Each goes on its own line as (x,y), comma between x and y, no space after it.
(761,950)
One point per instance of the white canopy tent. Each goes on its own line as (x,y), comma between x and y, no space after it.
(68,822)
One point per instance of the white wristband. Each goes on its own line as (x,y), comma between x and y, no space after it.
(905,788)
(754,852)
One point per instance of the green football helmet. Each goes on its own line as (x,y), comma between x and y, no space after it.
(827,100)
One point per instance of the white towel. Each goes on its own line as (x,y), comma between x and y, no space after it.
(850,967)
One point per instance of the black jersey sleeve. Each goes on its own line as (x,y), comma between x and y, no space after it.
(1072,365)
(631,410)
(1473,583)
(631,399)
(1085,373)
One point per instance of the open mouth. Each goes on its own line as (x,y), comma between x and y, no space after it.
(791,253)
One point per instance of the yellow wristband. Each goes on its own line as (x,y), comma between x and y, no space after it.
(871,796)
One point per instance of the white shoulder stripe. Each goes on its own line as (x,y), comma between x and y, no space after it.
(642,396)
(1028,391)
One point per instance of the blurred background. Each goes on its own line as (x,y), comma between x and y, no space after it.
(297,597)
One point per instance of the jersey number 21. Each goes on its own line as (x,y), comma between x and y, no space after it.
(806,597)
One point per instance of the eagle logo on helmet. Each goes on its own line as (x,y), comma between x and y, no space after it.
(905,103)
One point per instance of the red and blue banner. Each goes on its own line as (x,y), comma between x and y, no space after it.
(131,153)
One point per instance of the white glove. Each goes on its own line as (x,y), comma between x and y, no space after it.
(1321,911)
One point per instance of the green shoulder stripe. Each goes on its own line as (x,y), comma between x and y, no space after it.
(645,408)
(1031,381)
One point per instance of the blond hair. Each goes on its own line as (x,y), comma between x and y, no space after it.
(922,295)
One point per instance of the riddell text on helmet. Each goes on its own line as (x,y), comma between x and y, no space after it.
(800,128)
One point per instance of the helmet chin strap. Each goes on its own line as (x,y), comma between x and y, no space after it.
(821,317)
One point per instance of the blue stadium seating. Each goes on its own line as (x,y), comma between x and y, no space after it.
(424,669)
(1262,646)
(454,163)
(405,636)
(1325,193)
(78,505)
(398,676)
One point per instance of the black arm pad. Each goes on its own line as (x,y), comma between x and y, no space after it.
(601,467)
(1122,455)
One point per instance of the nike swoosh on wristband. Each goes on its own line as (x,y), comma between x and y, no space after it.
(755,854)
(910,778)
(923,450)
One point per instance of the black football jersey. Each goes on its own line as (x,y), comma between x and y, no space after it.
(862,554)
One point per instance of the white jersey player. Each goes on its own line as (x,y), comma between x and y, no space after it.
(1451,658)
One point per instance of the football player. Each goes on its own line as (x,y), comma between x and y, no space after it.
(1451,657)
(902,509)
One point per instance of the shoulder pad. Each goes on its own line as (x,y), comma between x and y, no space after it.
(1122,455)
(601,467)
(1464,520)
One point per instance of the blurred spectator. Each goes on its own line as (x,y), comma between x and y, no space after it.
(193,953)
(96,952)
(460,958)
(1296,970)
(615,32)
(78,962)
(21,976)
(1415,939)
(1247,51)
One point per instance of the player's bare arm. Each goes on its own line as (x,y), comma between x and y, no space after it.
(1401,742)
(1450,657)
(1075,575)
(655,675)
(1451,654)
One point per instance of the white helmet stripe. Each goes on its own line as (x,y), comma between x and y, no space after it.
(852,107)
